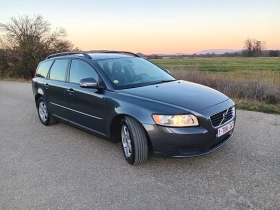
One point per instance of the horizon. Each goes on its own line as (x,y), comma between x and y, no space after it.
(166,27)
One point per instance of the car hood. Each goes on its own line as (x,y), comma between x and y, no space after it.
(180,93)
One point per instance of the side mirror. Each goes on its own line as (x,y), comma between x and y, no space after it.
(88,83)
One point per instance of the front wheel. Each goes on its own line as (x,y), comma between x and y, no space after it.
(134,141)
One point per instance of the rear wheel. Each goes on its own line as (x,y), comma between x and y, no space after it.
(134,141)
(43,113)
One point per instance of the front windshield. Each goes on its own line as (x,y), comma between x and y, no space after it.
(133,72)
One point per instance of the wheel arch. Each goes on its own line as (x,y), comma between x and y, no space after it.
(115,127)
(37,97)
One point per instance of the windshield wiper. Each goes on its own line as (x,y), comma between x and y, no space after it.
(163,81)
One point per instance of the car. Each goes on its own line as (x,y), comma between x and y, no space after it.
(125,98)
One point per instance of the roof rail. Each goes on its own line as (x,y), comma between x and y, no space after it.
(69,53)
(121,52)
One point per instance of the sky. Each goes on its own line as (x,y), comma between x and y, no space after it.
(157,26)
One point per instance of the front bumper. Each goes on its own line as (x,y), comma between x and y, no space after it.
(188,141)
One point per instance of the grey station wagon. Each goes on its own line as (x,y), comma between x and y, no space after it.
(127,99)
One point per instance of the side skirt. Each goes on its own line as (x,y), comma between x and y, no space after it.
(77,125)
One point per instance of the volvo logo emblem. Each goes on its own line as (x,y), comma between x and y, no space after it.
(224,116)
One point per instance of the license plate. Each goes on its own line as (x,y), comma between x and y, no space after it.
(225,129)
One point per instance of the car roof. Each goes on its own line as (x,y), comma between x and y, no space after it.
(100,56)
(94,55)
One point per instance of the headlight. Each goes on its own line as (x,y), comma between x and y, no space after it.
(176,120)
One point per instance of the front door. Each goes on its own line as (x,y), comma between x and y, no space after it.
(85,105)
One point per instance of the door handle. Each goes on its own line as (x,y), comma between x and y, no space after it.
(46,85)
(70,91)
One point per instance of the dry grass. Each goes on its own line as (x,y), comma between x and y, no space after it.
(253,105)
(14,79)
(262,86)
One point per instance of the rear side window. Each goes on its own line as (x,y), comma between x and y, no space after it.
(80,70)
(58,70)
(43,69)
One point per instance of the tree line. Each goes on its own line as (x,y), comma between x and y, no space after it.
(26,41)
(252,48)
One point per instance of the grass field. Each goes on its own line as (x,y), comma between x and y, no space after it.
(254,83)
(221,64)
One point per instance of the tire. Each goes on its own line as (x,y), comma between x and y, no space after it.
(43,113)
(134,141)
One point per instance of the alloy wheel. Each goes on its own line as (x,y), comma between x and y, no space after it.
(43,111)
(126,141)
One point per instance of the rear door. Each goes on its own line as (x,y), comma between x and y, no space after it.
(55,87)
(86,105)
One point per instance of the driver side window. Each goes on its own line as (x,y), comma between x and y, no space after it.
(80,70)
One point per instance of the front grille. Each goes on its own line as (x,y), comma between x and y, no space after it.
(222,117)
